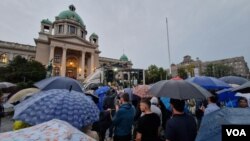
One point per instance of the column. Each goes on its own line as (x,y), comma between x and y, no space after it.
(92,63)
(11,56)
(51,54)
(83,64)
(63,63)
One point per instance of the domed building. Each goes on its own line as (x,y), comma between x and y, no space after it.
(124,58)
(64,43)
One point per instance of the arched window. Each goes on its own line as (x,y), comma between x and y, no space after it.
(3,58)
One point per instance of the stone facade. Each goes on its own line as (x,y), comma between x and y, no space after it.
(8,50)
(64,44)
(238,64)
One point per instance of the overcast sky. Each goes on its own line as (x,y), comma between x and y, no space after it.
(208,29)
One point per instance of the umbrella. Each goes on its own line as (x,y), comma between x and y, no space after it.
(53,130)
(59,82)
(166,102)
(8,107)
(209,83)
(176,78)
(234,80)
(6,85)
(210,129)
(71,106)
(90,93)
(226,94)
(178,89)
(20,95)
(132,96)
(142,91)
(245,88)
(93,86)
(102,90)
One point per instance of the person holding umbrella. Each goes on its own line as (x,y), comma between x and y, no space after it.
(181,127)
(211,107)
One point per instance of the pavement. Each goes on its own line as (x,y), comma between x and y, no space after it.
(6,123)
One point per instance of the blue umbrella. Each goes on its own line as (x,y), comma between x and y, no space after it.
(234,80)
(101,92)
(59,82)
(210,129)
(226,95)
(71,106)
(166,102)
(209,83)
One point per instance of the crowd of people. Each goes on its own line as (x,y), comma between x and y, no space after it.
(147,119)
(123,118)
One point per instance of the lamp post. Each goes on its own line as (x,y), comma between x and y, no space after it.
(169,57)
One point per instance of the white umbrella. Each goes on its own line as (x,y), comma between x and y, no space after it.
(8,107)
(52,130)
(6,85)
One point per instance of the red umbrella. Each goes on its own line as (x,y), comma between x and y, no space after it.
(142,91)
(177,78)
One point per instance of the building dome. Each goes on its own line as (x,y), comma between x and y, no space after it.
(46,21)
(94,35)
(123,58)
(70,14)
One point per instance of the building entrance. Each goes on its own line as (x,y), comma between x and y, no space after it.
(71,72)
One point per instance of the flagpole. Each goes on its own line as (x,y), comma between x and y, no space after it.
(169,57)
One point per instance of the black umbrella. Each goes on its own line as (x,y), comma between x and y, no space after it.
(234,80)
(245,88)
(59,82)
(178,89)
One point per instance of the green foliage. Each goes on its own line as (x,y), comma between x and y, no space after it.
(182,73)
(218,70)
(154,74)
(22,70)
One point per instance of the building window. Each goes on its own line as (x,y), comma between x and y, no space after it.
(46,29)
(71,29)
(57,58)
(82,34)
(3,58)
(60,29)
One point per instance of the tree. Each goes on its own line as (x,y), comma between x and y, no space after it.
(218,70)
(182,73)
(154,74)
(22,70)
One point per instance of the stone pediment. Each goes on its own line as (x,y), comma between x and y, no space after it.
(73,40)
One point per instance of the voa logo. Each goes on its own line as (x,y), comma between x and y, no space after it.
(236,132)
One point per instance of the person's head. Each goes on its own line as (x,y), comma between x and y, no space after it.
(124,98)
(242,102)
(177,104)
(212,99)
(154,101)
(145,105)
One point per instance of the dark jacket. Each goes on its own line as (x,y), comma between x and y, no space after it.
(123,120)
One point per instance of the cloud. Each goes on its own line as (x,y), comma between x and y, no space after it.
(208,29)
